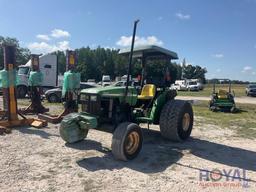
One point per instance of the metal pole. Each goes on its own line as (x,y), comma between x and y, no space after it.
(229,88)
(35,62)
(130,57)
(213,87)
(10,92)
(57,71)
(143,63)
(71,60)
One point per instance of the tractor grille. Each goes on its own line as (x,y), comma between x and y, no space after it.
(90,103)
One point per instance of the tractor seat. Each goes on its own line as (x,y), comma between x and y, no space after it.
(148,92)
(222,94)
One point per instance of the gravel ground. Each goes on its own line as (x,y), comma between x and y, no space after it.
(39,160)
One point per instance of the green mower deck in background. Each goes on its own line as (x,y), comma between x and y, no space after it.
(222,100)
(120,110)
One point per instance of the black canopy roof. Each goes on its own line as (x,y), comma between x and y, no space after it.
(148,51)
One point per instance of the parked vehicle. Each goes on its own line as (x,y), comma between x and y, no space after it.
(197,82)
(54,95)
(124,78)
(105,80)
(200,85)
(193,86)
(123,83)
(91,81)
(180,85)
(132,83)
(223,100)
(48,66)
(187,85)
(250,90)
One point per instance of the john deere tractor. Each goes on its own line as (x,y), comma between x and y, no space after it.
(222,100)
(120,110)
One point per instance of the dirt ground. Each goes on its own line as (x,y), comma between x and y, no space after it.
(39,160)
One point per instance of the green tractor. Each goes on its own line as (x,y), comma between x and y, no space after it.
(120,110)
(222,100)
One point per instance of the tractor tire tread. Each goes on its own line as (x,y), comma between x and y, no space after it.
(118,140)
(169,119)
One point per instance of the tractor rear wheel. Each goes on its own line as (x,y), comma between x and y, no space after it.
(176,120)
(127,141)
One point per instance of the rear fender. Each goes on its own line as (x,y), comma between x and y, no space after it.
(159,103)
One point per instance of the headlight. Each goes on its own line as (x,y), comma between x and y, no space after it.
(93,98)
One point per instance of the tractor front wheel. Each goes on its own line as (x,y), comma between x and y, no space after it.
(176,120)
(127,141)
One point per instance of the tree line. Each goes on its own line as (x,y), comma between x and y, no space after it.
(22,54)
(93,63)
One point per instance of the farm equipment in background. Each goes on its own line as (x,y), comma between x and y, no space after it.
(70,88)
(10,113)
(35,82)
(223,100)
(120,110)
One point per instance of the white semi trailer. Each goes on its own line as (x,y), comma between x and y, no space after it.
(48,66)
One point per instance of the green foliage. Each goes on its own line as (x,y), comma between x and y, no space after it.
(22,54)
(155,69)
(175,71)
(193,72)
(93,63)
(226,81)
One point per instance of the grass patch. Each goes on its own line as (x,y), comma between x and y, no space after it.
(244,122)
(238,89)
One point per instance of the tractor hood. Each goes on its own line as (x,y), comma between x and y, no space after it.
(114,92)
(108,90)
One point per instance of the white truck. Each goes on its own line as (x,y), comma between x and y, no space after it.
(48,66)
(105,80)
(187,85)
(180,85)
(195,82)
